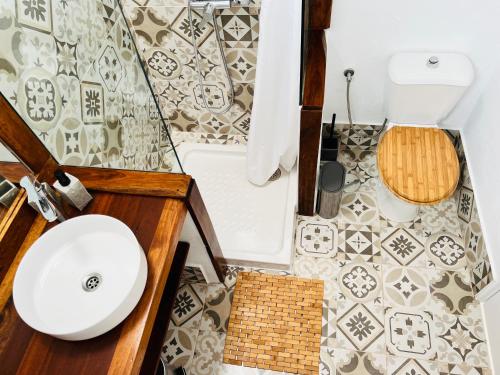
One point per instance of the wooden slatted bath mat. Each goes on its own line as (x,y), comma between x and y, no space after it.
(275,323)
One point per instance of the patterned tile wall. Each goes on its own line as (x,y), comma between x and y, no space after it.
(162,32)
(70,70)
(477,255)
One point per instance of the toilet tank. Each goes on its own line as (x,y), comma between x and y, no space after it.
(424,87)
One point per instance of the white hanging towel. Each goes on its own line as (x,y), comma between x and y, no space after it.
(273,139)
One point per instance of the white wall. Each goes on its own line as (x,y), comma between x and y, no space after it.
(197,255)
(6,155)
(490,315)
(480,138)
(364,34)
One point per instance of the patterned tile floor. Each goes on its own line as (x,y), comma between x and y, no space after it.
(398,297)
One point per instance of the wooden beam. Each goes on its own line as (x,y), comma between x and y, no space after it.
(199,214)
(315,70)
(170,185)
(160,327)
(311,119)
(17,136)
(320,12)
(310,128)
(131,348)
(316,18)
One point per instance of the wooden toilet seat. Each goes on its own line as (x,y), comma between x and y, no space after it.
(418,165)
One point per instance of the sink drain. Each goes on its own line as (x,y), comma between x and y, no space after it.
(91,282)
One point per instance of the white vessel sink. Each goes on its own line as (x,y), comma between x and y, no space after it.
(81,278)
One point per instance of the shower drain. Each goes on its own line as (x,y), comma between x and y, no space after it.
(91,282)
(276,175)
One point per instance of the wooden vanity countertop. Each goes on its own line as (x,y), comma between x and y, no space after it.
(157,223)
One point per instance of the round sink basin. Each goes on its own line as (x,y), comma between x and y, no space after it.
(81,278)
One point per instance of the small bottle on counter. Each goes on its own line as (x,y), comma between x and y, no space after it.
(71,189)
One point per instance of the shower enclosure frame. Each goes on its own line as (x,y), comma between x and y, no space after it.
(316,19)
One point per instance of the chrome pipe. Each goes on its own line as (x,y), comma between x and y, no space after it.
(216,4)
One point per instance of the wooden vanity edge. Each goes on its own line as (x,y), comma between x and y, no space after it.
(135,334)
(136,330)
(168,185)
(14,227)
(151,359)
(6,285)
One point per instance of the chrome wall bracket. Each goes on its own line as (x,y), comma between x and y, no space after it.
(218,4)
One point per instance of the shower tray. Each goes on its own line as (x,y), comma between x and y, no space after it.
(254,224)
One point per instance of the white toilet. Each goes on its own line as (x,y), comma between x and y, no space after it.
(417,162)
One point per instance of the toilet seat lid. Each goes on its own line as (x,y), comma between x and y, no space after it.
(419,165)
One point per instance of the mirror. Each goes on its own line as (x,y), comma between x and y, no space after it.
(72,73)
(11,170)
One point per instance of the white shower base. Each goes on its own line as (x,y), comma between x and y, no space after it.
(254,224)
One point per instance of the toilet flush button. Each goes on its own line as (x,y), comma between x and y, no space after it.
(433,62)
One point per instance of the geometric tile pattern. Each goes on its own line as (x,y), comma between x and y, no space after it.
(476,254)
(360,326)
(404,286)
(475,250)
(328,325)
(188,305)
(239,27)
(465,204)
(402,246)
(317,238)
(481,275)
(452,290)
(461,339)
(441,217)
(348,362)
(415,224)
(362,164)
(327,361)
(360,136)
(410,333)
(359,242)
(325,269)
(446,250)
(462,369)
(360,282)
(179,345)
(217,306)
(359,208)
(78,74)
(208,352)
(404,366)
(192,275)
(37,15)
(165,43)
